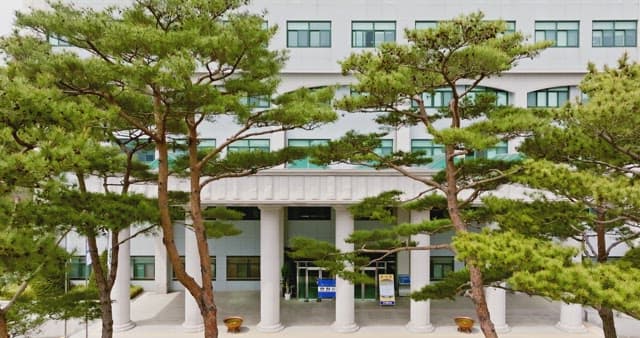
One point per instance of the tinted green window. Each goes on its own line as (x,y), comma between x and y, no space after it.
(428,146)
(549,97)
(243,267)
(372,33)
(441,97)
(614,34)
(143,267)
(426,24)
(386,147)
(562,33)
(250,145)
(501,148)
(441,266)
(308,34)
(304,163)
(78,268)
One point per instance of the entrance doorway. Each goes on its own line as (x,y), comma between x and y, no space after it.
(307,276)
(370,291)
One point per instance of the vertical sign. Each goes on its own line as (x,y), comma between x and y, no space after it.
(387,289)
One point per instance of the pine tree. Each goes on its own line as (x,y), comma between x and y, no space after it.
(171,69)
(397,82)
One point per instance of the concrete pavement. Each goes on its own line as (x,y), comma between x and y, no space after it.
(161,315)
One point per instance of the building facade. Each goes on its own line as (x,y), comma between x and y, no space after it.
(302,199)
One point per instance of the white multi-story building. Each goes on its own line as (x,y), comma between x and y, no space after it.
(300,199)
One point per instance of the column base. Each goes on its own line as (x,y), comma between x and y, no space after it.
(345,328)
(420,328)
(123,327)
(502,328)
(270,328)
(192,328)
(572,328)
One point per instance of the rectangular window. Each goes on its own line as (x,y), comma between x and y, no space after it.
(614,33)
(308,34)
(511,27)
(385,148)
(256,101)
(57,41)
(549,97)
(501,148)
(442,96)
(143,268)
(243,268)
(249,213)
(146,152)
(78,268)
(426,24)
(249,145)
(304,163)
(213,268)
(206,144)
(372,33)
(309,213)
(440,267)
(562,33)
(428,146)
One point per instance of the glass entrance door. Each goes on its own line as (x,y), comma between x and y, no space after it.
(307,276)
(370,291)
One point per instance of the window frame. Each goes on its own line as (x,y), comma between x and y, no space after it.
(309,31)
(134,265)
(79,263)
(234,147)
(308,165)
(433,264)
(566,89)
(252,261)
(373,31)
(613,31)
(430,150)
(555,32)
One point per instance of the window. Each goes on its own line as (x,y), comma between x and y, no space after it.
(249,145)
(143,268)
(304,163)
(501,148)
(385,148)
(440,267)
(57,41)
(249,213)
(372,33)
(442,96)
(308,34)
(550,97)
(309,213)
(256,101)
(614,34)
(78,268)
(243,267)
(511,27)
(562,33)
(426,24)
(213,268)
(428,146)
(146,151)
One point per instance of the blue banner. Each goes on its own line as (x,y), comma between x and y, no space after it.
(326,288)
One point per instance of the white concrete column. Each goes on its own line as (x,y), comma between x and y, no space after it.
(345,298)
(270,243)
(497,304)
(161,272)
(571,314)
(419,312)
(120,292)
(193,321)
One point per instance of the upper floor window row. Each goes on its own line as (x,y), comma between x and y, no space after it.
(308,34)
(549,97)
(441,97)
(372,33)
(511,25)
(614,34)
(561,33)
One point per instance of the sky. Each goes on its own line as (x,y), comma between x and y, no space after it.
(7,9)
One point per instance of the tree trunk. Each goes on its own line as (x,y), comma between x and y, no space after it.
(477,283)
(608,323)
(479,300)
(210,323)
(106,315)
(4,328)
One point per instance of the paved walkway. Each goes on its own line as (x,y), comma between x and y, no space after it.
(161,315)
